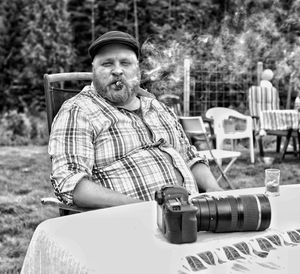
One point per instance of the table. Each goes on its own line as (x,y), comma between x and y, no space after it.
(281,120)
(126,239)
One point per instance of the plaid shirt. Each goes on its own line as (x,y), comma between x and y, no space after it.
(118,149)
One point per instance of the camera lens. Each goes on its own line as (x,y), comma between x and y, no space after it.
(228,214)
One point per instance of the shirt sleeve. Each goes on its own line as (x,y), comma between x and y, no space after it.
(71,151)
(189,152)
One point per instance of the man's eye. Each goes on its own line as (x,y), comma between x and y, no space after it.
(107,64)
(125,63)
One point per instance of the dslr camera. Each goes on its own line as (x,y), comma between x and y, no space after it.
(179,218)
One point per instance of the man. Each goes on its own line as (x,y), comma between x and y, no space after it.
(111,146)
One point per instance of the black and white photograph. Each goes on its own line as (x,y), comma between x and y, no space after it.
(149,136)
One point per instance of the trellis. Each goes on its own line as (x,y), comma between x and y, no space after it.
(210,87)
(207,87)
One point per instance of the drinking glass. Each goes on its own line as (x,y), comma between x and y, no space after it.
(272,179)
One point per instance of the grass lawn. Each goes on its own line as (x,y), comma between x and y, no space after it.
(24,179)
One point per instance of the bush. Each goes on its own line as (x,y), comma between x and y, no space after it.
(22,129)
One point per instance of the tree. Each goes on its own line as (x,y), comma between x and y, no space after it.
(11,62)
(47,46)
(81,24)
(43,36)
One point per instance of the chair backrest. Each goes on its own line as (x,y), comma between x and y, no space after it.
(229,121)
(222,113)
(192,125)
(57,90)
(262,98)
(172,101)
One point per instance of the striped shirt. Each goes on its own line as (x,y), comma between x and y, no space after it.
(134,154)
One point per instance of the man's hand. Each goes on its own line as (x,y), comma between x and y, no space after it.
(204,178)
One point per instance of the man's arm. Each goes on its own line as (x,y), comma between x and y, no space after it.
(204,178)
(91,195)
(72,163)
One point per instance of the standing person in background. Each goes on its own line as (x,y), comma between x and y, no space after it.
(112,145)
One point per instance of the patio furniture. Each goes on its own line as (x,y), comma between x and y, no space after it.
(265,99)
(172,101)
(194,126)
(285,121)
(231,125)
(58,89)
(126,239)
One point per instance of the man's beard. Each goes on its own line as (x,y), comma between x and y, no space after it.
(114,95)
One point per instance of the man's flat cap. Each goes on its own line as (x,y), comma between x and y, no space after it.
(114,37)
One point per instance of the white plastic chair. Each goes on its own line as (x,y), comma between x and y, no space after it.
(195,126)
(225,127)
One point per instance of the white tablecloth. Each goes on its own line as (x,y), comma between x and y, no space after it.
(126,239)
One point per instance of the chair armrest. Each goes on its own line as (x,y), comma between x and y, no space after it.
(244,119)
(52,201)
(242,122)
(209,121)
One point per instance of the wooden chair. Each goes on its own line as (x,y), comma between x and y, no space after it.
(210,134)
(195,126)
(266,98)
(232,125)
(58,88)
(172,101)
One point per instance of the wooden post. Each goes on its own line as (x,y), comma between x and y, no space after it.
(136,22)
(186,87)
(93,20)
(259,71)
(290,89)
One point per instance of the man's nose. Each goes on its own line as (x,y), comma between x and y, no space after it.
(117,70)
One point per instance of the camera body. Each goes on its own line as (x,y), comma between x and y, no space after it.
(179,218)
(176,217)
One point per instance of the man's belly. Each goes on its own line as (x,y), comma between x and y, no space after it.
(141,173)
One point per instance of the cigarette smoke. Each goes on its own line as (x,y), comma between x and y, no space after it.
(162,67)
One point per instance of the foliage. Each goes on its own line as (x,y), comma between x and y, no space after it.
(47,45)
(80,22)
(11,37)
(22,129)
(45,36)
